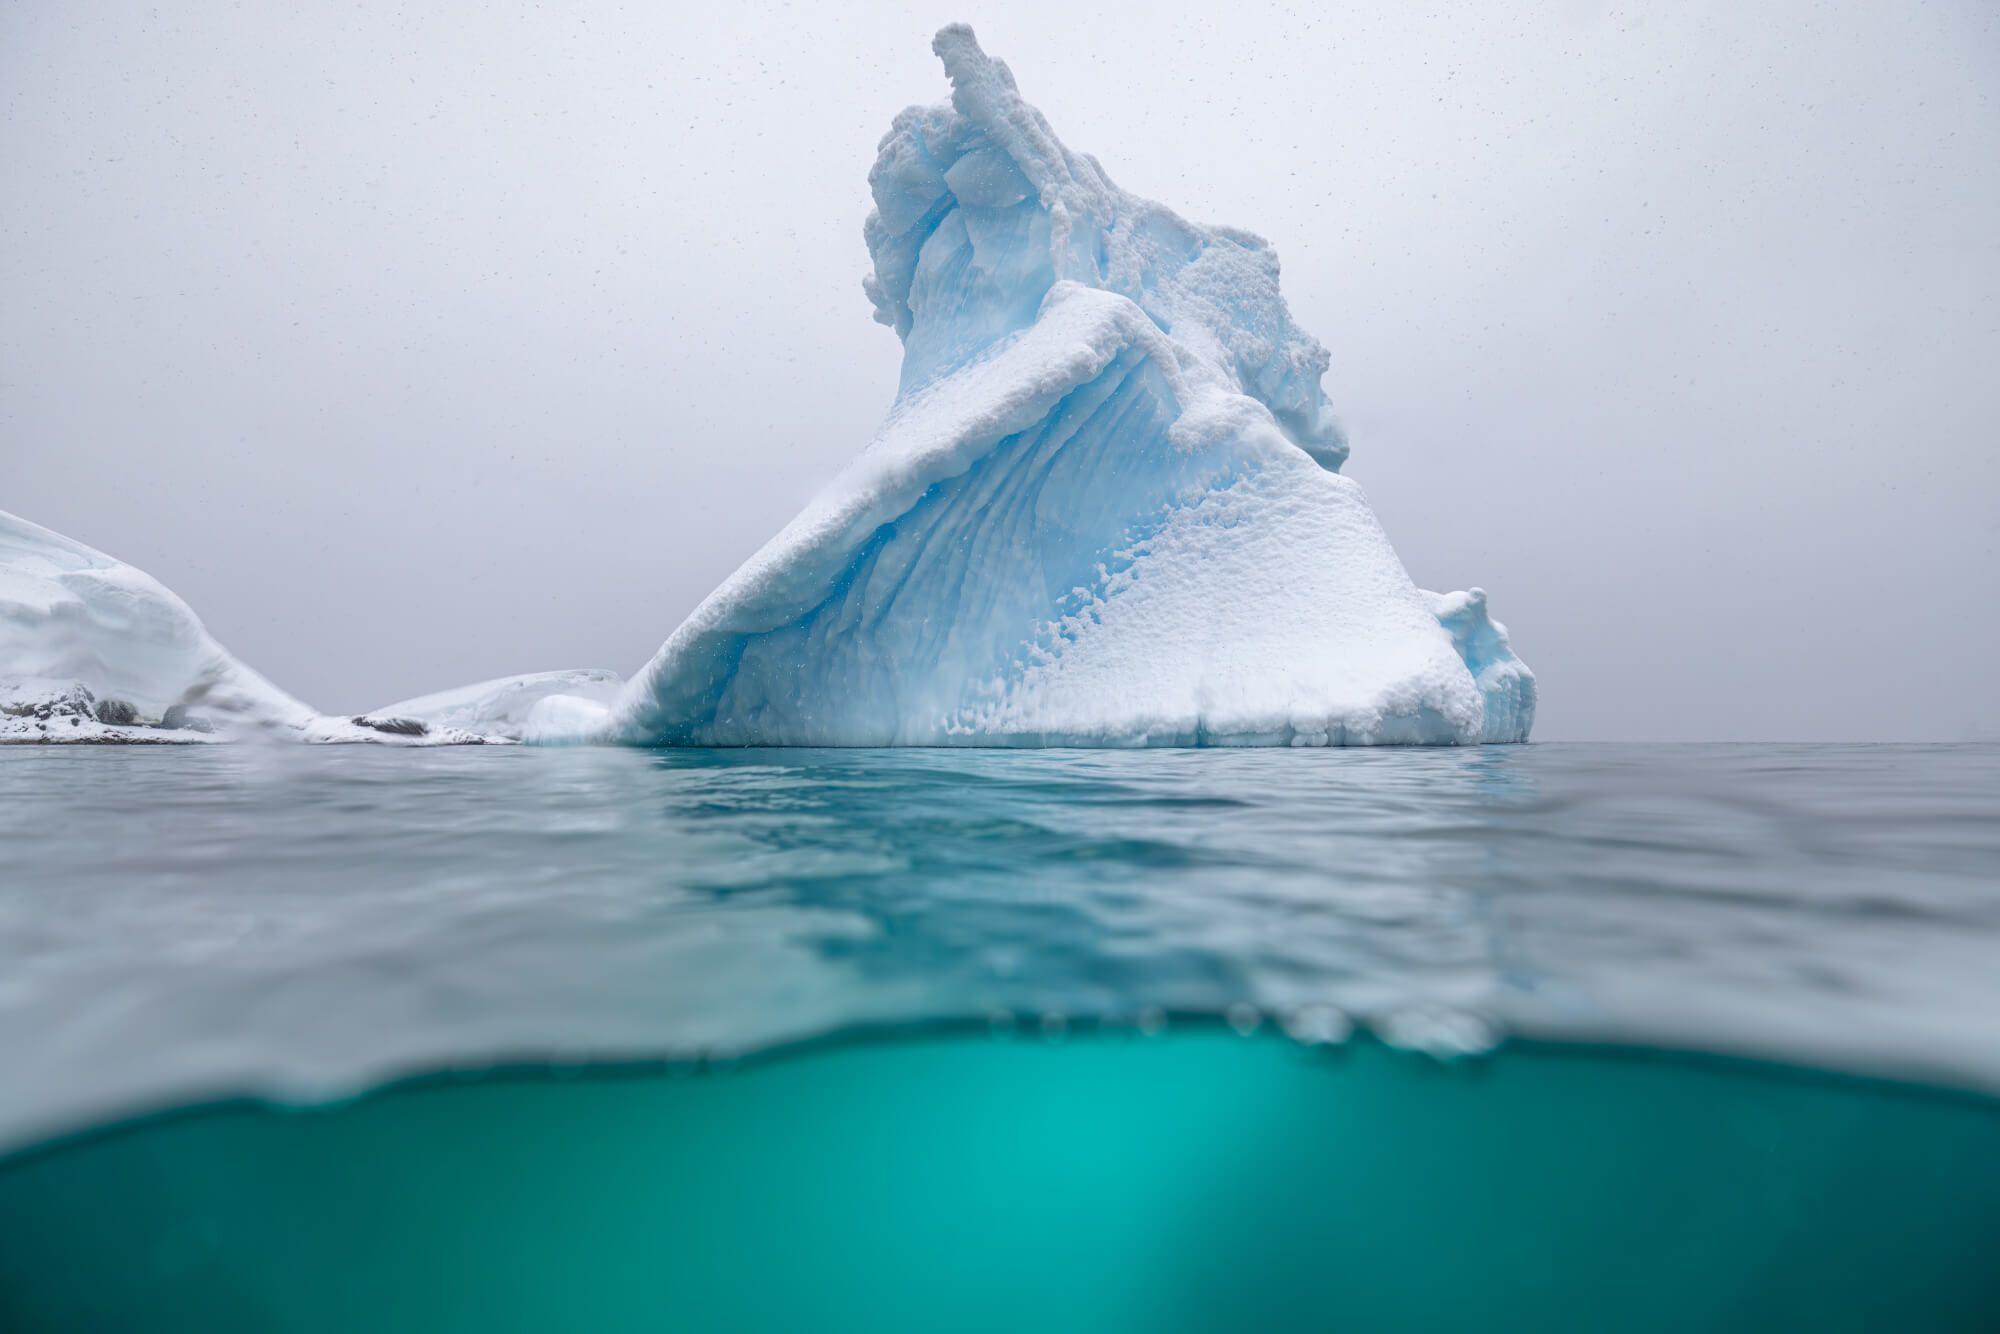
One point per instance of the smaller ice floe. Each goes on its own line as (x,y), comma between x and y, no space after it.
(95,650)
(537,706)
(92,649)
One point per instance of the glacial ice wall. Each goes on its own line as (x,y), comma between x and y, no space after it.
(1105,508)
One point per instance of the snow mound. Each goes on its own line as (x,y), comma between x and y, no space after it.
(94,650)
(1104,509)
(77,625)
(513,708)
(980,209)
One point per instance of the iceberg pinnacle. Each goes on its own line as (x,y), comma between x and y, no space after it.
(980,209)
(1104,509)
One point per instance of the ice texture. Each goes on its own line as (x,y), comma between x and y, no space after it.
(1104,508)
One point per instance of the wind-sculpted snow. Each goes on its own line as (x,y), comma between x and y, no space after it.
(1104,509)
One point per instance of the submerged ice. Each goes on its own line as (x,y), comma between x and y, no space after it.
(1105,509)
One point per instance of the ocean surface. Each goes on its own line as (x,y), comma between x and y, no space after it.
(1549,1036)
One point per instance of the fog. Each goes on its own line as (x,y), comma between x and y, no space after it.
(419,344)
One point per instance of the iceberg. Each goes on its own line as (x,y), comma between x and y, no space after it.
(94,650)
(536,707)
(1105,509)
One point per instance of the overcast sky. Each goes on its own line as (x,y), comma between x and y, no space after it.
(414,344)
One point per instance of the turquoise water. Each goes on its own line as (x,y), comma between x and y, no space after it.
(1198,1181)
(1018,1098)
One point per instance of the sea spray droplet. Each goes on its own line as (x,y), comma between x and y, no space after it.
(1152,1021)
(1244,1017)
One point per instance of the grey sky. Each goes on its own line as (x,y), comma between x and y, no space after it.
(415,344)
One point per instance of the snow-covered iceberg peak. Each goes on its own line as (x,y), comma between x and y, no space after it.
(1104,509)
(980,210)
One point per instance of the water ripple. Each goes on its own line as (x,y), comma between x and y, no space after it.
(187,922)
